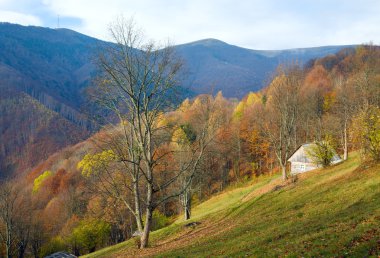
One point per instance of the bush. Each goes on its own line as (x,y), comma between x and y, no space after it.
(56,244)
(159,220)
(90,234)
(366,130)
(321,153)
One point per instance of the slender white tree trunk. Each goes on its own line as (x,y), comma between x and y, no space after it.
(345,142)
(148,218)
(138,214)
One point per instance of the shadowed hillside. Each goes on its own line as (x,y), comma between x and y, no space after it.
(43,76)
(54,68)
(31,132)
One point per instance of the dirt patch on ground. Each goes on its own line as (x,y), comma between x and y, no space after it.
(188,236)
(193,235)
(273,185)
(278,183)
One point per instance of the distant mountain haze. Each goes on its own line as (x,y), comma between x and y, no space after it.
(44,74)
(214,65)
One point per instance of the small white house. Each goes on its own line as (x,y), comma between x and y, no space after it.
(300,162)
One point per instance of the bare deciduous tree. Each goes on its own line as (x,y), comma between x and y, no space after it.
(8,209)
(345,108)
(138,83)
(282,112)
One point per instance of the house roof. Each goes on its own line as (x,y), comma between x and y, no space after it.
(305,144)
(306,159)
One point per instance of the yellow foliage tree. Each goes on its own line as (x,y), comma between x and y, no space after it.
(186,105)
(40,179)
(93,163)
(179,137)
(239,110)
(162,121)
(366,130)
(253,98)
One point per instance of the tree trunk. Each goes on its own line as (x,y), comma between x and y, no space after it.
(148,222)
(36,246)
(148,217)
(187,211)
(187,204)
(76,250)
(8,241)
(225,170)
(345,142)
(138,214)
(21,250)
(283,169)
(92,249)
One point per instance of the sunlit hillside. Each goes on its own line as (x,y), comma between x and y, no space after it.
(117,142)
(328,212)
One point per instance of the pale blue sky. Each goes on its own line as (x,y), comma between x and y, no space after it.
(256,24)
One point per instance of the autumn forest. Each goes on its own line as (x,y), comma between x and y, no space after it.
(156,153)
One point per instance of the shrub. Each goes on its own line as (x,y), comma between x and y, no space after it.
(159,220)
(366,130)
(321,153)
(90,233)
(56,244)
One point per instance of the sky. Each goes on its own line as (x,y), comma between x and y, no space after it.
(255,24)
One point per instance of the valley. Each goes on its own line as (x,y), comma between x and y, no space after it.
(56,68)
(131,148)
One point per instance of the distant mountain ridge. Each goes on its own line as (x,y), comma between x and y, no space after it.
(43,76)
(48,71)
(215,65)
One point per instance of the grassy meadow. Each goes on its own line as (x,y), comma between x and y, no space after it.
(327,212)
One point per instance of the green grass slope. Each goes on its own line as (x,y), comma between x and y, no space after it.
(330,212)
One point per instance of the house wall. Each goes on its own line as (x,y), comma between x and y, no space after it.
(300,156)
(300,167)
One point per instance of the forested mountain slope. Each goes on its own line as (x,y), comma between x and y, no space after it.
(31,132)
(42,72)
(214,65)
(54,68)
